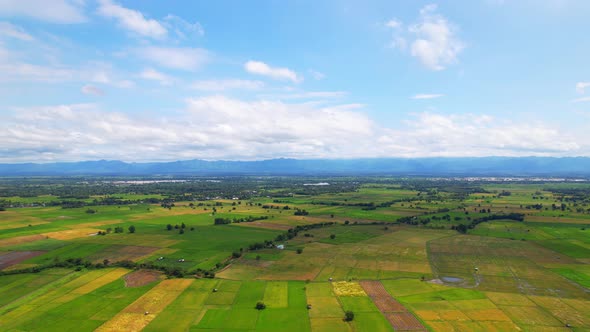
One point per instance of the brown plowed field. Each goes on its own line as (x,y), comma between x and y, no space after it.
(15,257)
(381,298)
(398,316)
(141,278)
(404,321)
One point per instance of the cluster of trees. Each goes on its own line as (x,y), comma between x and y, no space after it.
(79,263)
(269,206)
(225,221)
(300,212)
(180,228)
(117,229)
(462,228)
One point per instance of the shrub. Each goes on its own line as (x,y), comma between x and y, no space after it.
(260,306)
(349,316)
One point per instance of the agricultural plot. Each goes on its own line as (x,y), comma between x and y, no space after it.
(397,315)
(10,258)
(500,265)
(140,313)
(390,253)
(49,300)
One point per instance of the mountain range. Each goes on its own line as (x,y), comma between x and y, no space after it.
(472,166)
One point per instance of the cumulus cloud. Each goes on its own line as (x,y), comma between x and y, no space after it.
(132,20)
(10,30)
(92,90)
(432,39)
(278,73)
(581,100)
(182,58)
(218,127)
(430,134)
(581,87)
(58,11)
(211,127)
(427,96)
(227,84)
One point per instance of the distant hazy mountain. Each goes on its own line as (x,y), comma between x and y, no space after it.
(486,166)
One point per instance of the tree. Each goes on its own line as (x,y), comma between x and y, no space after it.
(299,251)
(181,231)
(461,228)
(169,227)
(260,306)
(106,262)
(182,225)
(349,316)
(332,236)
(131,229)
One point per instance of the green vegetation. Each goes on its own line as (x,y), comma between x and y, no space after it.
(268,254)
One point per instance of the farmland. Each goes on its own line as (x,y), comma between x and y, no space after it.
(199,255)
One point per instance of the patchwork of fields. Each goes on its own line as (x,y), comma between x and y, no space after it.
(371,252)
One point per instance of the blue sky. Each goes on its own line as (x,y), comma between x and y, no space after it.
(237,80)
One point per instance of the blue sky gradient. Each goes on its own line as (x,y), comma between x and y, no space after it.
(237,80)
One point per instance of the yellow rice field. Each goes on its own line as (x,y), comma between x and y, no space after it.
(141,312)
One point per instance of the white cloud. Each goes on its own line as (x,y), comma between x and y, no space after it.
(154,75)
(432,39)
(261,68)
(92,90)
(182,28)
(47,68)
(20,71)
(218,127)
(183,58)
(227,84)
(430,135)
(104,76)
(317,75)
(132,20)
(581,100)
(212,127)
(427,96)
(58,11)
(393,23)
(581,87)
(10,30)
(313,95)
(436,45)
